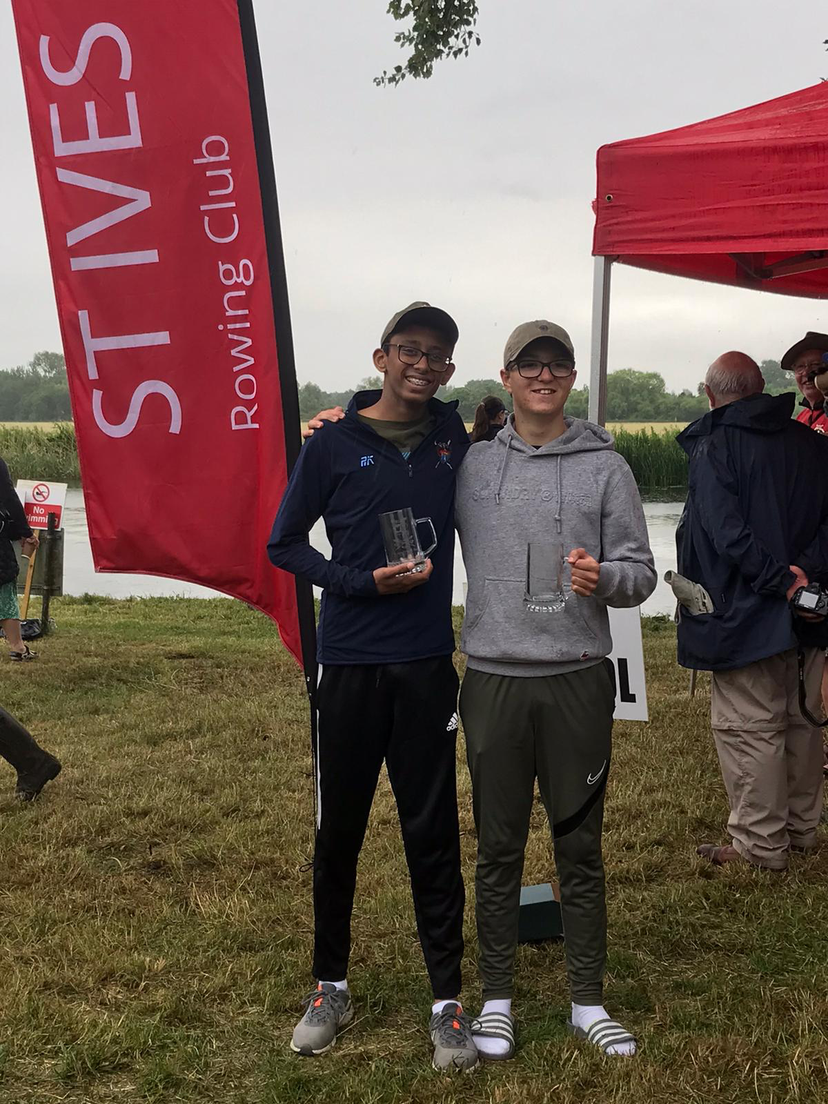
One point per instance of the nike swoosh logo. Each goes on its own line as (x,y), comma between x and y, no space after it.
(593,778)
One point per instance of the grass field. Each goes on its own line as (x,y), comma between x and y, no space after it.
(155,902)
(31,425)
(656,427)
(632,427)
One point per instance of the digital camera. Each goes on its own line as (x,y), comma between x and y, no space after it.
(812,375)
(811,599)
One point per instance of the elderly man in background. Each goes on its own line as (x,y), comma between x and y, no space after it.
(754,530)
(804,360)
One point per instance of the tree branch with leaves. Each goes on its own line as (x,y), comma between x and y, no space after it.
(438,29)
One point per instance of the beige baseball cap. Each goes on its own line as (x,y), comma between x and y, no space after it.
(422,314)
(528,331)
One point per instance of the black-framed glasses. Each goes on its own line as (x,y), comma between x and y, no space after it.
(533,369)
(411,355)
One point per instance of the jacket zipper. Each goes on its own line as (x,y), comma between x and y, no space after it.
(389,447)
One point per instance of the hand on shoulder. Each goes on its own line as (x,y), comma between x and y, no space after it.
(333,414)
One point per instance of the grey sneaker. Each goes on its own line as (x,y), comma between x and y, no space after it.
(451,1034)
(329,1009)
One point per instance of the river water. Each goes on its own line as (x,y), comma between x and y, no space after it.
(80,576)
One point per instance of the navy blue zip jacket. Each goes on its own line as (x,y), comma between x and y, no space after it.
(348,474)
(757,502)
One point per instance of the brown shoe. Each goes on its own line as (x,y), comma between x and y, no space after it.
(719,856)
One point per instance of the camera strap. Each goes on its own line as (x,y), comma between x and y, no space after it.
(803,704)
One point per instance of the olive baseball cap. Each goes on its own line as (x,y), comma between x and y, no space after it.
(529,331)
(422,314)
(811,340)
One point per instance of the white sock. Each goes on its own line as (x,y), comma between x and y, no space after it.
(338,984)
(484,1043)
(585,1015)
(438,1006)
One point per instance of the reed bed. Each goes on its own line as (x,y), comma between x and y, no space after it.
(657,461)
(32,452)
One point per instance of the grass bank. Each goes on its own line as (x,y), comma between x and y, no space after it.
(155,904)
(659,465)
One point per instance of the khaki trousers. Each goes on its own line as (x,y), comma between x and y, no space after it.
(771,758)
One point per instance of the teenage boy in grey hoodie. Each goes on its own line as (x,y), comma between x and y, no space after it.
(539,693)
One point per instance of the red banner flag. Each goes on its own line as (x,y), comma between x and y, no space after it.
(170,285)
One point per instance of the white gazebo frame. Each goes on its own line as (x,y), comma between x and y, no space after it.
(810,260)
(601,282)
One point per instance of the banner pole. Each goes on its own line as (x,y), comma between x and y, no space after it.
(284,333)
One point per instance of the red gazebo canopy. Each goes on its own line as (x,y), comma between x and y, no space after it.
(741,199)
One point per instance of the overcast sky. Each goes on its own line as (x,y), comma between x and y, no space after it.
(471,190)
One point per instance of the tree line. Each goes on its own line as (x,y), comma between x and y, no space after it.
(632,396)
(38,392)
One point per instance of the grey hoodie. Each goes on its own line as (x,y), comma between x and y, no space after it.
(576,490)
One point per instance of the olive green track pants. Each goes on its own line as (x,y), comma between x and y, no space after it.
(558,729)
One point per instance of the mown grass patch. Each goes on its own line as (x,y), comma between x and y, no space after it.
(155,904)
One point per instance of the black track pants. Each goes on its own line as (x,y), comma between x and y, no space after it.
(557,729)
(17,745)
(403,714)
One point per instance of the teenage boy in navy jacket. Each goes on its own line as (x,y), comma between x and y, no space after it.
(388,689)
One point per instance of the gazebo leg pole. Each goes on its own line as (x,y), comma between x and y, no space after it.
(600,340)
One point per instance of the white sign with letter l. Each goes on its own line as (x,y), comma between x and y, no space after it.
(627,657)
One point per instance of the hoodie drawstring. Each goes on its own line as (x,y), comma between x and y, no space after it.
(503,468)
(558,522)
(558,519)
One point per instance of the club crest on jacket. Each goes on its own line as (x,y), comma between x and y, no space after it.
(443,453)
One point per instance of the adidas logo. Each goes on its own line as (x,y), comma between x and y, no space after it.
(452,725)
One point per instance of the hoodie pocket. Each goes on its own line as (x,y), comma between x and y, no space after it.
(499,625)
(476,601)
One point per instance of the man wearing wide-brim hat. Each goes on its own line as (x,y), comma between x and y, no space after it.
(805,361)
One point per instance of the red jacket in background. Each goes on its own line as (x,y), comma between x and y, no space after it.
(814,417)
